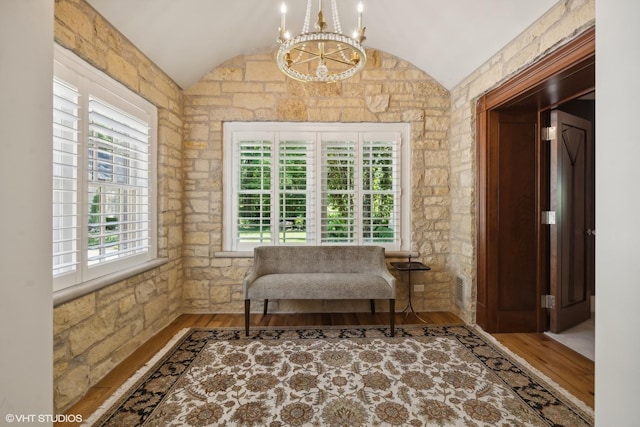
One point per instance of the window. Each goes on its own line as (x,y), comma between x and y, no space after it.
(316,184)
(103,174)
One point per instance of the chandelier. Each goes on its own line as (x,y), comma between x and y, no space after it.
(321,55)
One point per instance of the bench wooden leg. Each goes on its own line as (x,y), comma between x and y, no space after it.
(247,318)
(392,316)
(266,304)
(373,306)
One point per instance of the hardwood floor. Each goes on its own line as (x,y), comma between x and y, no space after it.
(569,369)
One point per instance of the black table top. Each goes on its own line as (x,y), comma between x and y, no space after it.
(409,266)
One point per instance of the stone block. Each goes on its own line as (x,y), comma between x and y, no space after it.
(225,73)
(220,294)
(357,115)
(195,305)
(127,303)
(196,238)
(71,386)
(308,91)
(199,206)
(149,91)
(205,87)
(74,18)
(155,309)
(263,71)
(253,101)
(197,131)
(70,314)
(323,115)
(413,115)
(145,291)
(122,70)
(196,289)
(108,346)
(93,330)
(436,177)
(292,110)
(378,103)
(112,294)
(242,87)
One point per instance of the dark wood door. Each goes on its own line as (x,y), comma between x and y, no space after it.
(511,301)
(572,237)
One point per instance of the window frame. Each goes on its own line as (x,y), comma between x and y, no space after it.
(92,83)
(315,131)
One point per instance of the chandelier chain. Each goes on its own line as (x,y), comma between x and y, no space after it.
(336,18)
(307,18)
(337,27)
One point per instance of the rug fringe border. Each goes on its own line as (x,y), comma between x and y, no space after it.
(140,373)
(543,377)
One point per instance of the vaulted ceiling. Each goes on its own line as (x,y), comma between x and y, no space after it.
(448,39)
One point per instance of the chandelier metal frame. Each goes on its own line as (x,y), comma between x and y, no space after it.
(335,55)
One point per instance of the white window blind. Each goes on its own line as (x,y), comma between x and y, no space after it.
(66,124)
(296,186)
(314,184)
(104,148)
(253,223)
(118,174)
(381,190)
(339,217)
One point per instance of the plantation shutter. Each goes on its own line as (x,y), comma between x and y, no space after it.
(119,183)
(254,194)
(66,125)
(296,184)
(339,216)
(315,184)
(381,189)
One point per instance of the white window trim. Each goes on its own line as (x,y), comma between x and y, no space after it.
(72,285)
(229,245)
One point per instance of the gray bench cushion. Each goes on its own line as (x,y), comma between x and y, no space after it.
(319,286)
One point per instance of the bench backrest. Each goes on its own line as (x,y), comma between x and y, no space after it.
(319,259)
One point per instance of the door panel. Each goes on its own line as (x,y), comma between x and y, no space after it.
(513,241)
(571,195)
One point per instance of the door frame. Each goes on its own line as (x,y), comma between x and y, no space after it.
(558,77)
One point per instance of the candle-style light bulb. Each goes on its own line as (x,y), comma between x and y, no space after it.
(283,16)
(360,10)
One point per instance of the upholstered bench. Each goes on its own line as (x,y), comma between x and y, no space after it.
(319,272)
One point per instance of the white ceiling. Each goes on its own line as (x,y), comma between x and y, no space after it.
(448,39)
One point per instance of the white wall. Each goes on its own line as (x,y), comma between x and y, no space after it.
(618,213)
(26,304)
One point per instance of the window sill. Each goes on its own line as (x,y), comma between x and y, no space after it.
(81,289)
(249,254)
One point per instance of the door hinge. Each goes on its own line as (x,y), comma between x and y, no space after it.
(548,301)
(548,133)
(548,217)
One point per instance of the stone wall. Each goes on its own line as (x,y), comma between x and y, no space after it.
(251,88)
(560,24)
(94,333)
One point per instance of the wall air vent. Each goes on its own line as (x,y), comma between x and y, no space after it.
(460,291)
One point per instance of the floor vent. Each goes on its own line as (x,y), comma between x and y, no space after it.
(460,291)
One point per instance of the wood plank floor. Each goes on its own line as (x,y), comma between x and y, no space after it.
(569,369)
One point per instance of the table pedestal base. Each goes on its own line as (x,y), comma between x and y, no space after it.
(409,267)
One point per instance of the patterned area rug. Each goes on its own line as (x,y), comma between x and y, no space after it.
(426,375)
